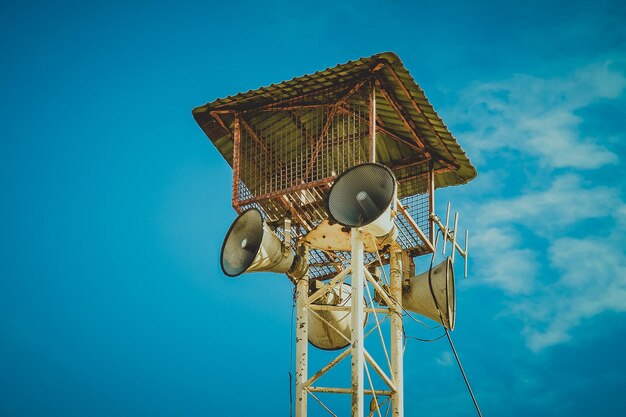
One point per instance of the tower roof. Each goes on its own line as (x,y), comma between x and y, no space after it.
(403,111)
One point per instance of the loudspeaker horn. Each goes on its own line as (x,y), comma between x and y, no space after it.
(251,246)
(418,297)
(321,334)
(363,196)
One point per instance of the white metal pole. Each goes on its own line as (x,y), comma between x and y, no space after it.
(357,319)
(302,340)
(397,362)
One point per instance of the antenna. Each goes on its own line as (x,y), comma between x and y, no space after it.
(445,230)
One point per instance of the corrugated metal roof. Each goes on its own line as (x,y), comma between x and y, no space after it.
(399,96)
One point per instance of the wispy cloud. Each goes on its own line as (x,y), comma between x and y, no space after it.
(444,359)
(592,280)
(538,117)
(533,241)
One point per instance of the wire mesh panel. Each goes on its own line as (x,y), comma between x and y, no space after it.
(290,152)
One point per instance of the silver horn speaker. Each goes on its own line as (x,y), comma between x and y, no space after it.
(363,196)
(418,297)
(251,246)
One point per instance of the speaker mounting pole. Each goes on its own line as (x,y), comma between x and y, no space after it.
(397,362)
(357,317)
(302,344)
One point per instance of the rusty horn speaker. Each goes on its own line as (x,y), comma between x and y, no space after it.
(251,246)
(418,296)
(364,196)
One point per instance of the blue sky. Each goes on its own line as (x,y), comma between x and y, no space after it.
(112,302)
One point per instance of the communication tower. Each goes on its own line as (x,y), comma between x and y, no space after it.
(334,176)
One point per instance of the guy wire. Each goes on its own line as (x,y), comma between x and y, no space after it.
(447,333)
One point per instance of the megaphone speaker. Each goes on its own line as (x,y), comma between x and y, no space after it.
(363,196)
(251,246)
(418,297)
(326,333)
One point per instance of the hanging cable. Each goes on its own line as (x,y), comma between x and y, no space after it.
(447,333)
(458,361)
(425,340)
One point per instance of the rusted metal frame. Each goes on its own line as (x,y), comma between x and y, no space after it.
(411,127)
(301,127)
(379,65)
(329,122)
(236,160)
(332,256)
(372,121)
(304,222)
(402,140)
(350,92)
(298,101)
(308,209)
(417,107)
(431,202)
(224,111)
(406,163)
(299,187)
(382,129)
(418,176)
(330,390)
(415,227)
(219,120)
(319,141)
(262,143)
(292,107)
(304,210)
(294,211)
(380,371)
(288,207)
(404,118)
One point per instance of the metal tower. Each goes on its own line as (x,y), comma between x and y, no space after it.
(290,145)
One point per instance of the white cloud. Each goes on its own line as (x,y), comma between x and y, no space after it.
(563,203)
(538,116)
(444,359)
(583,277)
(592,280)
(501,262)
(532,243)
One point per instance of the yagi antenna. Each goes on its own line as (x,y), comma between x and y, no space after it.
(456,222)
(451,234)
(445,230)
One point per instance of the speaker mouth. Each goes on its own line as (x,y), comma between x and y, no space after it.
(451,295)
(242,243)
(360,195)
